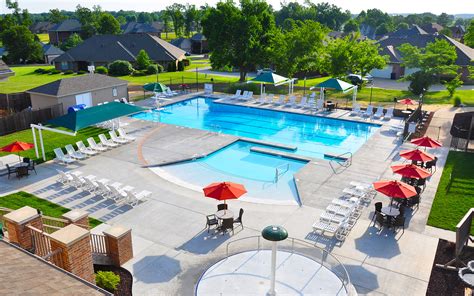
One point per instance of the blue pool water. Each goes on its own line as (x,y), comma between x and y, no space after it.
(312,135)
(236,163)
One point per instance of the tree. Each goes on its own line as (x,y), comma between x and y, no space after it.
(143,60)
(351,26)
(435,60)
(87,19)
(453,84)
(21,45)
(446,31)
(375,18)
(55,16)
(337,59)
(365,57)
(165,18)
(72,41)
(403,26)
(108,24)
(296,12)
(382,29)
(175,12)
(240,37)
(144,17)
(190,18)
(120,68)
(469,36)
(445,19)
(331,15)
(121,19)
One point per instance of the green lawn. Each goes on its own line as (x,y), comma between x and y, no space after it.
(455,195)
(51,140)
(20,199)
(43,37)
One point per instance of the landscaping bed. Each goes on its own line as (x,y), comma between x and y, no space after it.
(447,282)
(124,288)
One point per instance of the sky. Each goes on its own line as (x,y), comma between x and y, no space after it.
(390,6)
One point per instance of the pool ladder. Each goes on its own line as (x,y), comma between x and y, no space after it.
(281,170)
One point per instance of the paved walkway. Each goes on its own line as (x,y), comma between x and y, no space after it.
(172,248)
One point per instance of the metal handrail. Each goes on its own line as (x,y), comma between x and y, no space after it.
(347,163)
(278,174)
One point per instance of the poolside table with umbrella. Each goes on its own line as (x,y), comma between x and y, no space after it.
(426,142)
(416,155)
(17,147)
(336,84)
(395,189)
(411,173)
(224,191)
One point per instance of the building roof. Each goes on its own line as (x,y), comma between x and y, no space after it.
(77,85)
(4,70)
(198,37)
(404,33)
(49,49)
(432,28)
(41,26)
(179,41)
(23,273)
(134,27)
(70,25)
(158,25)
(109,48)
(390,44)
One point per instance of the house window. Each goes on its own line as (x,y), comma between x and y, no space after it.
(64,65)
(114,91)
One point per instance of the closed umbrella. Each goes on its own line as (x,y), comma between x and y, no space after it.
(411,171)
(17,147)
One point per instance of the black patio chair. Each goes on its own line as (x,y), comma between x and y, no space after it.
(398,222)
(380,220)
(421,183)
(429,165)
(222,206)
(402,211)
(227,224)
(31,167)
(211,221)
(378,210)
(414,201)
(11,170)
(238,220)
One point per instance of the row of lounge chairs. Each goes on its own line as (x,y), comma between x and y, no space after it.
(166,94)
(369,112)
(342,214)
(83,151)
(102,187)
(245,96)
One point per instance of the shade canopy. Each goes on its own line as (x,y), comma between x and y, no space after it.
(224,190)
(411,171)
(395,189)
(407,101)
(17,147)
(426,142)
(336,84)
(155,87)
(269,78)
(274,233)
(417,155)
(94,115)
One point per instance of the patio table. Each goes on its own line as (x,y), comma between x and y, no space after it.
(391,211)
(224,214)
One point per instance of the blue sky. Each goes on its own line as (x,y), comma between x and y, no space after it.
(391,6)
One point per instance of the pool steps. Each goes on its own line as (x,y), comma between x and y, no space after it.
(279,153)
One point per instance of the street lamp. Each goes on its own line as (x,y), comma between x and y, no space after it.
(275,234)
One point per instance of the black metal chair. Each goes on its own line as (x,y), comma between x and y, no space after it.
(398,222)
(380,220)
(11,170)
(378,210)
(31,166)
(402,211)
(421,183)
(227,224)
(414,201)
(429,165)
(221,207)
(211,221)
(238,220)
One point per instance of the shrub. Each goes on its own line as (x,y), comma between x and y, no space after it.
(39,71)
(137,73)
(107,280)
(47,71)
(180,66)
(102,70)
(244,86)
(120,68)
(171,67)
(143,60)
(68,72)
(151,69)
(54,71)
(187,62)
(81,72)
(457,101)
(160,68)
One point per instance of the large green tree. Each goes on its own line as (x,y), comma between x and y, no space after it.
(72,41)
(175,12)
(331,15)
(21,45)
(240,36)
(351,26)
(469,36)
(108,24)
(55,16)
(191,18)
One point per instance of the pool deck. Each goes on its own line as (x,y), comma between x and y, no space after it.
(172,248)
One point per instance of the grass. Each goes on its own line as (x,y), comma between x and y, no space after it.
(51,140)
(20,199)
(455,194)
(43,37)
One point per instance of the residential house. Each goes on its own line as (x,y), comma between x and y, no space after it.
(50,52)
(458,31)
(5,72)
(411,32)
(368,31)
(199,43)
(61,32)
(100,50)
(41,27)
(137,28)
(160,26)
(394,69)
(88,89)
(183,43)
(432,28)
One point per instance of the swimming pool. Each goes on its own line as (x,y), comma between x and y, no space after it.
(313,136)
(267,178)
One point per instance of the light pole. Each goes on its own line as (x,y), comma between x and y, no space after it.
(274,234)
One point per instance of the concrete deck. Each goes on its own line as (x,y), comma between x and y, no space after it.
(172,248)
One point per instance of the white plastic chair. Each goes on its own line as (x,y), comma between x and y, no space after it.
(105,142)
(355,110)
(281,100)
(66,159)
(389,114)
(303,102)
(237,94)
(379,112)
(73,153)
(86,150)
(113,137)
(124,135)
(369,111)
(291,102)
(95,146)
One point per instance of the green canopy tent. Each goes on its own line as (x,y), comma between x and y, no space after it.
(270,78)
(336,84)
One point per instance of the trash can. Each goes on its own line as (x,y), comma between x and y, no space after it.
(75,108)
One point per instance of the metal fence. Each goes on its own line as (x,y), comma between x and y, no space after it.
(21,120)
(15,102)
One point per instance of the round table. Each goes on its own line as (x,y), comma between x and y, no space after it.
(224,214)
(391,211)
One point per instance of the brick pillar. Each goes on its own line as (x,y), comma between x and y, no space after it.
(119,244)
(77,217)
(16,222)
(76,255)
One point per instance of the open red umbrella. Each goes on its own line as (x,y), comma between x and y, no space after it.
(410,171)
(17,147)
(395,189)
(417,155)
(426,142)
(224,190)
(407,101)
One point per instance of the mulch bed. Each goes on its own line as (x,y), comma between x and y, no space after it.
(447,282)
(124,288)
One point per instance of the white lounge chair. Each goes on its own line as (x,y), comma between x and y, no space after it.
(170,92)
(64,178)
(103,189)
(66,159)
(118,194)
(237,94)
(269,98)
(319,105)
(379,112)
(248,97)
(89,184)
(303,102)
(244,95)
(281,100)
(331,218)
(134,198)
(339,210)
(95,146)
(73,153)
(123,135)
(77,181)
(113,137)
(355,110)
(262,99)
(369,111)
(389,114)
(105,142)
(85,150)
(291,101)
(324,227)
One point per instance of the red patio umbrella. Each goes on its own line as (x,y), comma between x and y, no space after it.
(224,190)
(426,142)
(410,171)
(417,155)
(395,189)
(17,147)
(407,101)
